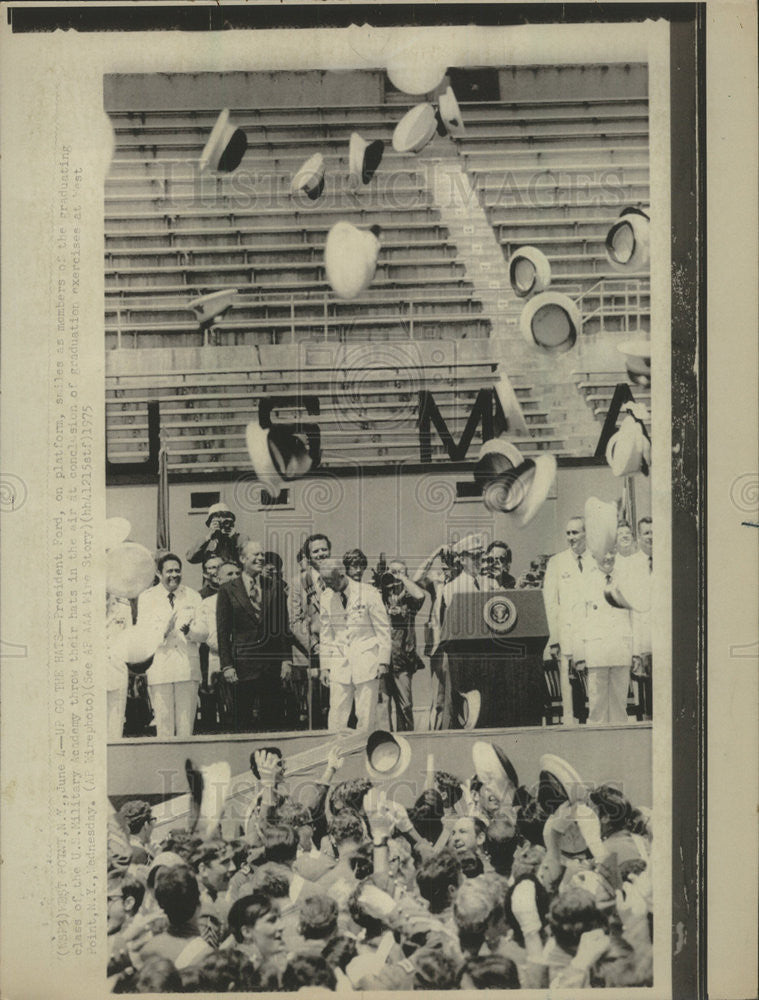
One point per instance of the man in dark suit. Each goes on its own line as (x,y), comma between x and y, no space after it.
(255,643)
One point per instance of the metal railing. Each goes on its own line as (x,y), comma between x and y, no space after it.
(407,313)
(619,298)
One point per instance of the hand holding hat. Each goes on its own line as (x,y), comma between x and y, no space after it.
(469,543)
(381,821)
(592,945)
(268,766)
(589,826)
(600,527)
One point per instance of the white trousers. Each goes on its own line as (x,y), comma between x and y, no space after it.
(341,698)
(567,714)
(174,707)
(117,700)
(607,695)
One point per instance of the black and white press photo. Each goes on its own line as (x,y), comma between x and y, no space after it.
(380,414)
(355,506)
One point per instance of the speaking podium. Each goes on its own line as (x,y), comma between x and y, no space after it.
(495,641)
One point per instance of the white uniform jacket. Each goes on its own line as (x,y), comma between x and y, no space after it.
(177,658)
(354,639)
(638,565)
(603,636)
(560,596)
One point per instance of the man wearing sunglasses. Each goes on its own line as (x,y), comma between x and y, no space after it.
(496,564)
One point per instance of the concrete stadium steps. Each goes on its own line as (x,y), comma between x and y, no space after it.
(398,286)
(576,213)
(600,370)
(384,195)
(280,275)
(417,315)
(201,252)
(123,427)
(357,329)
(538,198)
(236,232)
(250,305)
(287,217)
(130,126)
(392,181)
(368,393)
(172,234)
(598,391)
(601,155)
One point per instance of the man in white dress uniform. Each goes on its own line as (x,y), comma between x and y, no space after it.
(355,646)
(561,586)
(174,677)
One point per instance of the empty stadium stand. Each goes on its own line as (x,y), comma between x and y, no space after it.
(548,171)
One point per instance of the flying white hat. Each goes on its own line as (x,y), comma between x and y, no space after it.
(117,530)
(469,704)
(512,484)
(450,113)
(529,271)
(469,543)
(600,527)
(309,177)
(388,755)
(225,147)
(559,782)
(629,450)
(129,569)
(136,646)
(209,788)
(493,767)
(552,321)
(628,244)
(363,159)
(415,129)
(350,258)
(416,71)
(213,306)
(278,456)
(637,354)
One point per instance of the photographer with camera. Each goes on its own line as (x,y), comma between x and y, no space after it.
(221,539)
(403,600)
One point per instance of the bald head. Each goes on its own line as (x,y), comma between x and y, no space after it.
(333,574)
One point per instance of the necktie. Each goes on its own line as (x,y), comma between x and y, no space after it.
(608,578)
(344,599)
(650,564)
(476,584)
(255,594)
(172,598)
(579,563)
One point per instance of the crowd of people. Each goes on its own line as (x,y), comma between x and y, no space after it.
(482,883)
(337,646)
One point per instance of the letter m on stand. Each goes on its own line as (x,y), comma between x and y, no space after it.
(486,411)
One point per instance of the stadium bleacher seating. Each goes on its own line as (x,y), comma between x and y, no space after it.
(551,173)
